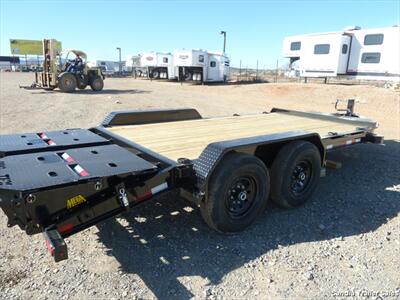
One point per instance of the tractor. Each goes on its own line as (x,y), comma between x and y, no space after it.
(59,71)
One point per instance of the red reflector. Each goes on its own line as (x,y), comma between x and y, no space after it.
(65,228)
(144,196)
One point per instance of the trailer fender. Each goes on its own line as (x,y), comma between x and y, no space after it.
(263,147)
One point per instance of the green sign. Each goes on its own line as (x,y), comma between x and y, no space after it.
(29,47)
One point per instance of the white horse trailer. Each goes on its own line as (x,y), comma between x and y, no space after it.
(132,63)
(201,66)
(371,54)
(156,65)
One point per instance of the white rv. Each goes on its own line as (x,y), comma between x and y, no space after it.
(156,65)
(371,54)
(202,66)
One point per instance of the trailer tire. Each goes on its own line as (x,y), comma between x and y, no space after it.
(187,76)
(96,83)
(155,74)
(238,192)
(67,82)
(295,173)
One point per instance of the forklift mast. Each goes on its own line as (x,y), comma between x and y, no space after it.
(50,57)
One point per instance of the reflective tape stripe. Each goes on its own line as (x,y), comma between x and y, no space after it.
(43,135)
(159,188)
(345,143)
(353,141)
(153,191)
(67,157)
(82,172)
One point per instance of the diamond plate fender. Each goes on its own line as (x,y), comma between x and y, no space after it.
(215,152)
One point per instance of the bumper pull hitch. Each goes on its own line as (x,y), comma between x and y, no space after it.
(56,244)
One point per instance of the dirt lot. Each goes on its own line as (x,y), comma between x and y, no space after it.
(343,242)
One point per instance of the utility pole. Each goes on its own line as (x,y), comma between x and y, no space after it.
(224,33)
(257,71)
(240,71)
(120,64)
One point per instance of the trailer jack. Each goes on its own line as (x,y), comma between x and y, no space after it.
(56,244)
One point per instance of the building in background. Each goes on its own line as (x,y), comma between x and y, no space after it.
(9,63)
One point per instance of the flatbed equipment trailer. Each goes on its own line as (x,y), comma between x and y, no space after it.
(62,182)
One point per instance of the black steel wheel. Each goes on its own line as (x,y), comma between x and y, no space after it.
(295,173)
(238,192)
(240,196)
(67,82)
(301,177)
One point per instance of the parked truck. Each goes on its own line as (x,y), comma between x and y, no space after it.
(201,66)
(62,182)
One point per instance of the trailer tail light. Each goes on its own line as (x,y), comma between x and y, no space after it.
(56,244)
(143,197)
(66,228)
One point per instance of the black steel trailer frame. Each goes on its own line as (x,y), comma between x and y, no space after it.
(62,182)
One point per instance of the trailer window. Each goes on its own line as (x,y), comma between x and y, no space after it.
(371,58)
(322,49)
(213,64)
(345,47)
(201,58)
(373,39)
(165,59)
(295,46)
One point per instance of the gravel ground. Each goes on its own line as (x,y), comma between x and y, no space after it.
(345,242)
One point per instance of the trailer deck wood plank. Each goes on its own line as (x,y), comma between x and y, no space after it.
(189,138)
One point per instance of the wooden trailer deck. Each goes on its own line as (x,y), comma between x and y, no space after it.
(189,138)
